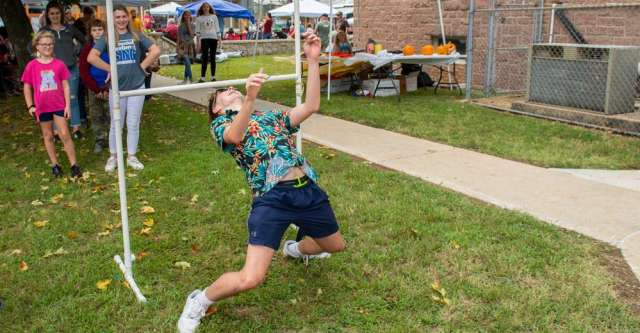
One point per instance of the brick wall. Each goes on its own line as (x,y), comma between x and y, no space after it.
(396,23)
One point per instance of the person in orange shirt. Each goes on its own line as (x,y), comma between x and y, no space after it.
(135,20)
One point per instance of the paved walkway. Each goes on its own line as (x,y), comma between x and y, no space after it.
(591,203)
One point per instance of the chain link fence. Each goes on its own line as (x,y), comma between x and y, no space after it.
(584,57)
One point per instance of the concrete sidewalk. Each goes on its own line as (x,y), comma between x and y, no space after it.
(571,200)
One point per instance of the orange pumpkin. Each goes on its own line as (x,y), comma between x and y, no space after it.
(427,50)
(442,50)
(451,48)
(408,50)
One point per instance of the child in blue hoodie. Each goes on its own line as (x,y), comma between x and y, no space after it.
(96,80)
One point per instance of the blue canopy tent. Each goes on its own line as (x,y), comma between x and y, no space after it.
(223,9)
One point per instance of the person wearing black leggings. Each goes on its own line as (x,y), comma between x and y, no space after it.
(208,32)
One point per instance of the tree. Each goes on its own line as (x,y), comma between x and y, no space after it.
(19,28)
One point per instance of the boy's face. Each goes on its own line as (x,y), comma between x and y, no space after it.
(226,98)
(97,32)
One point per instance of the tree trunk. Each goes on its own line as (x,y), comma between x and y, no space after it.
(19,29)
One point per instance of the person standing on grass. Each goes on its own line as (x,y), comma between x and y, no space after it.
(66,36)
(267,25)
(322,29)
(208,33)
(283,185)
(186,45)
(95,79)
(130,45)
(47,94)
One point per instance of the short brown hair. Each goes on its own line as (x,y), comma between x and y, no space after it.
(212,102)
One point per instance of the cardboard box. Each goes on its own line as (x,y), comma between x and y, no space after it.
(338,85)
(384,83)
(411,82)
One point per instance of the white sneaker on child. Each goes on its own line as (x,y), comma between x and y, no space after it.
(111,165)
(191,314)
(134,163)
(289,251)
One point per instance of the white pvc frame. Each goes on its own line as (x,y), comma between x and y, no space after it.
(126,265)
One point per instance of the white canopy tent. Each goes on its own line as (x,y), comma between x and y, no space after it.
(168,9)
(308,8)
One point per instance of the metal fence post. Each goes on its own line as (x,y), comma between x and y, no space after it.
(469,65)
(489,72)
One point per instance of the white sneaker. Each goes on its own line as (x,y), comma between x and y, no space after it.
(191,314)
(186,81)
(290,253)
(111,165)
(134,163)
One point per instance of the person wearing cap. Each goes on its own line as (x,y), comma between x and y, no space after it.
(341,22)
(322,30)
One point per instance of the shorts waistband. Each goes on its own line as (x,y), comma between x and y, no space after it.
(297,183)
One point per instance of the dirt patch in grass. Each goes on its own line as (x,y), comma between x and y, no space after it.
(627,285)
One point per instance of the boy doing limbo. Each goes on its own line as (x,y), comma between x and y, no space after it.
(283,185)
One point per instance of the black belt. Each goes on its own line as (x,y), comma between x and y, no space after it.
(297,183)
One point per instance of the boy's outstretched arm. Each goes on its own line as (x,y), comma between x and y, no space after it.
(235,132)
(312,99)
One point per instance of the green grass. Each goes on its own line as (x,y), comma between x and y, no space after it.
(444,118)
(502,271)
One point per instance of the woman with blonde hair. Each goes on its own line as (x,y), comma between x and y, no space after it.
(130,48)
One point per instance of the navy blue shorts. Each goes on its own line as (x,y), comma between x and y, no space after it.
(48,116)
(307,207)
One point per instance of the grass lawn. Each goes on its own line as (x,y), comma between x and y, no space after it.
(444,118)
(408,242)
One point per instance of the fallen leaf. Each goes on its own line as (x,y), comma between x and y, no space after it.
(59,252)
(103,284)
(36,203)
(149,222)
(454,243)
(195,249)
(98,188)
(71,204)
(147,210)
(104,233)
(182,264)
(242,191)
(319,292)
(72,235)
(57,198)
(23,266)
(141,255)
(44,188)
(126,284)
(145,231)
(41,223)
(211,310)
(194,199)
(15,252)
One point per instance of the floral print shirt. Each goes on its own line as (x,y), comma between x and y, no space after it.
(267,150)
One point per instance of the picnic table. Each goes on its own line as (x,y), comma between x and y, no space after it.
(380,60)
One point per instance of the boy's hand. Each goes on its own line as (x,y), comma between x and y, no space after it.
(67,112)
(312,46)
(32,112)
(254,83)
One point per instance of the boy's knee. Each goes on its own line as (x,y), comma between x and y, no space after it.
(338,246)
(251,281)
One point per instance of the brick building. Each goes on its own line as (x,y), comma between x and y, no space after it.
(400,22)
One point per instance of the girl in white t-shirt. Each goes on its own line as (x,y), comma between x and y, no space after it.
(207,32)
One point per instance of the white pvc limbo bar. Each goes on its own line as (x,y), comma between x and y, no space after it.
(126,265)
(205,85)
